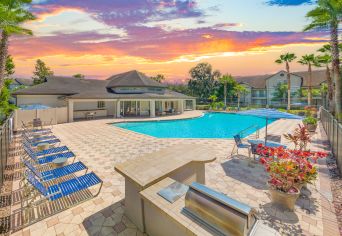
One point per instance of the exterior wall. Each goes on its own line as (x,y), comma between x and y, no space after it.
(247,97)
(48,100)
(280,77)
(110,106)
(49,116)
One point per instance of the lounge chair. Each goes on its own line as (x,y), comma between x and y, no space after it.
(48,159)
(35,144)
(239,144)
(56,173)
(65,188)
(38,139)
(34,130)
(49,151)
(40,201)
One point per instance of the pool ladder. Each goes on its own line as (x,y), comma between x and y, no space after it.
(256,127)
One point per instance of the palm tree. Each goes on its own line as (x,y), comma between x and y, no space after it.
(325,60)
(12,14)
(327,15)
(287,58)
(239,89)
(309,60)
(225,79)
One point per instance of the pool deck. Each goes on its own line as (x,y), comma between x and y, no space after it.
(101,146)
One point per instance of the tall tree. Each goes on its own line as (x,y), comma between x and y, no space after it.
(203,80)
(240,89)
(159,78)
(325,60)
(79,76)
(13,13)
(9,67)
(41,73)
(225,79)
(327,15)
(287,58)
(309,60)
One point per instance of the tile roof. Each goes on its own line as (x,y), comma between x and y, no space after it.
(259,81)
(132,79)
(91,89)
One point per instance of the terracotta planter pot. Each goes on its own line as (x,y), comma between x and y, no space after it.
(311,127)
(286,200)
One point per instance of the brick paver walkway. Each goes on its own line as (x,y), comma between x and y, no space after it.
(101,146)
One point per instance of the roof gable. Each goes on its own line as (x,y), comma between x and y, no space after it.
(132,79)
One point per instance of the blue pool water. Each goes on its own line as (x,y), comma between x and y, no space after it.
(210,125)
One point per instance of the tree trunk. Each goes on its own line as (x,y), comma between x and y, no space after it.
(225,94)
(310,89)
(330,90)
(288,86)
(238,101)
(336,69)
(3,56)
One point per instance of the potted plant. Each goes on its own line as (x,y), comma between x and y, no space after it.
(310,123)
(300,137)
(288,171)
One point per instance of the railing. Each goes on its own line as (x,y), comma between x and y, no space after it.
(242,133)
(334,133)
(6,135)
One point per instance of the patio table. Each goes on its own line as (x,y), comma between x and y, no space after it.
(43,146)
(268,143)
(60,161)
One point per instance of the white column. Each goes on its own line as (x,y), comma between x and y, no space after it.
(70,111)
(118,109)
(152,108)
(181,106)
(194,104)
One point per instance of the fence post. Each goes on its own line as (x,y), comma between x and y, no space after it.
(5,141)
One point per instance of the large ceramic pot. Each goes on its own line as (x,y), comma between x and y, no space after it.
(286,200)
(311,127)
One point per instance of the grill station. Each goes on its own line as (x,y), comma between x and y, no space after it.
(223,214)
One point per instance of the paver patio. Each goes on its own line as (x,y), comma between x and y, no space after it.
(101,146)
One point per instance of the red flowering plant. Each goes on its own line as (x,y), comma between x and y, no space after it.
(288,169)
(300,137)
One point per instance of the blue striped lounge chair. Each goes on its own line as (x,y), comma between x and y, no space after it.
(48,158)
(65,188)
(58,196)
(35,144)
(49,151)
(56,173)
(34,130)
(41,138)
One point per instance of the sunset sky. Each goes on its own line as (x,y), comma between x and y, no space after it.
(104,37)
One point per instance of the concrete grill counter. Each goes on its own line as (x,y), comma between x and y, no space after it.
(184,163)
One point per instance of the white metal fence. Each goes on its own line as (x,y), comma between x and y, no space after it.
(334,133)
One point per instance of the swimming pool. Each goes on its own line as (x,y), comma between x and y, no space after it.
(210,125)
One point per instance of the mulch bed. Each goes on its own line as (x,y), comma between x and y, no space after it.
(336,188)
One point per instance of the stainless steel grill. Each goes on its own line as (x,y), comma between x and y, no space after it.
(223,214)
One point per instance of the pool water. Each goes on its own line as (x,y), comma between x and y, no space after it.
(210,125)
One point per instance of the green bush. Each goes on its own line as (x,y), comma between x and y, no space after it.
(5,107)
(202,107)
(310,120)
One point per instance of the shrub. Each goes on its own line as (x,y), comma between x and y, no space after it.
(310,120)
(202,107)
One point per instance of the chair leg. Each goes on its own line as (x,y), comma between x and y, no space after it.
(231,154)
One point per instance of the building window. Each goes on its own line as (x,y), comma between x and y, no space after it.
(101,104)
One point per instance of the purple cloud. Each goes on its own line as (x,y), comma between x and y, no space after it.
(122,13)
